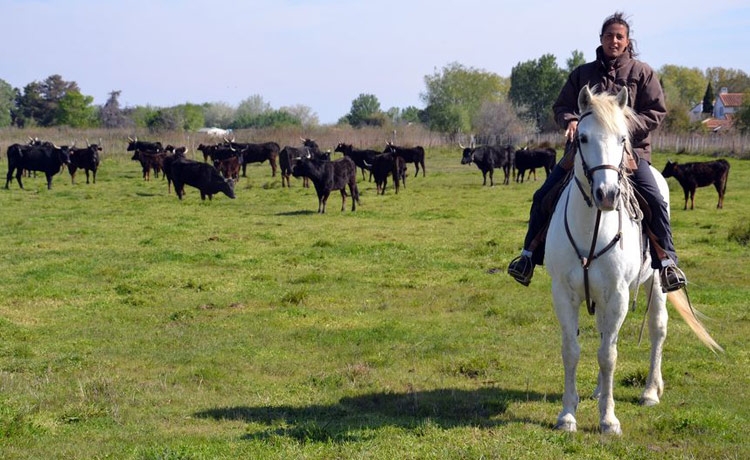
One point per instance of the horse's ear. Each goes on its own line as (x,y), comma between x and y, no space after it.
(622,97)
(584,98)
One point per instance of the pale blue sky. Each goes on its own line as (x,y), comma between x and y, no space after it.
(324,53)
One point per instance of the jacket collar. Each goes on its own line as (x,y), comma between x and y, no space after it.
(609,64)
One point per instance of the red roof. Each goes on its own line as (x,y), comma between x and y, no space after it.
(715,124)
(731,99)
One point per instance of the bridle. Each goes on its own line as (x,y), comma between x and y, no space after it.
(592,255)
(589,172)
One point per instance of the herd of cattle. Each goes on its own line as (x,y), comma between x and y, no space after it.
(229,159)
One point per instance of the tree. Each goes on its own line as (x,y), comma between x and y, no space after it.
(499,123)
(392,114)
(277,119)
(254,112)
(742,117)
(110,115)
(30,106)
(39,103)
(184,117)
(576,59)
(687,83)
(303,113)
(403,116)
(164,119)
(192,116)
(410,114)
(267,119)
(251,107)
(535,85)
(140,116)
(678,118)
(454,96)
(7,103)
(218,114)
(708,100)
(736,81)
(365,111)
(75,110)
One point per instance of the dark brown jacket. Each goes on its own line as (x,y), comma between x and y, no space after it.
(645,95)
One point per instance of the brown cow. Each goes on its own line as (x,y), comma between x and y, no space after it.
(699,174)
(229,167)
(149,161)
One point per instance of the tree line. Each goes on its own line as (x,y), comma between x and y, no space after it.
(457,100)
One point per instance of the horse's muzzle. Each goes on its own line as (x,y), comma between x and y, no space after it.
(606,197)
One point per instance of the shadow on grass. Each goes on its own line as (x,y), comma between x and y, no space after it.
(297,213)
(352,417)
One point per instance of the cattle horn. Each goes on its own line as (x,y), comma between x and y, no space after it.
(87,142)
(462,147)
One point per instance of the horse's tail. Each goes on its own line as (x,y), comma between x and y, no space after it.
(680,302)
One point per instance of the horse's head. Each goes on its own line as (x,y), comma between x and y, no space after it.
(602,139)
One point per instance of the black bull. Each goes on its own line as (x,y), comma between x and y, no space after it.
(487,158)
(530,159)
(410,155)
(257,153)
(328,176)
(47,158)
(202,176)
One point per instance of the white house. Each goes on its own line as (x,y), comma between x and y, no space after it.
(696,113)
(216,132)
(725,106)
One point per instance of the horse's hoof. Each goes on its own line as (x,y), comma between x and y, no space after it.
(611,429)
(648,401)
(566,425)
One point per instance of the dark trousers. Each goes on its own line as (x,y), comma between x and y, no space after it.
(644,183)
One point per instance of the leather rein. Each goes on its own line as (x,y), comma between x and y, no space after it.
(592,255)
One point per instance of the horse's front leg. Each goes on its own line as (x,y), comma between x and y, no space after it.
(609,318)
(657,330)
(566,310)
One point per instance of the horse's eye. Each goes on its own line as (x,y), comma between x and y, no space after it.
(583,139)
(622,140)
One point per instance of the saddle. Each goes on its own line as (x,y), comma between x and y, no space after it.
(637,206)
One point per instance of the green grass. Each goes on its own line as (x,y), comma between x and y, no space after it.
(135,325)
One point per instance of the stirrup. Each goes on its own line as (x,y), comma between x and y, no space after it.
(521,269)
(672,278)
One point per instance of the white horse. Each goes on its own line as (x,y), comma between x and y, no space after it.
(594,253)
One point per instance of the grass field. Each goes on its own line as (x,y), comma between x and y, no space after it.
(134,325)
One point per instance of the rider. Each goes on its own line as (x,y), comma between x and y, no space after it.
(615,66)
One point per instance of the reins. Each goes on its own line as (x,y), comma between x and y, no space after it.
(586,260)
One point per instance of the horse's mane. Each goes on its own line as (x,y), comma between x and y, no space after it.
(614,119)
(606,110)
